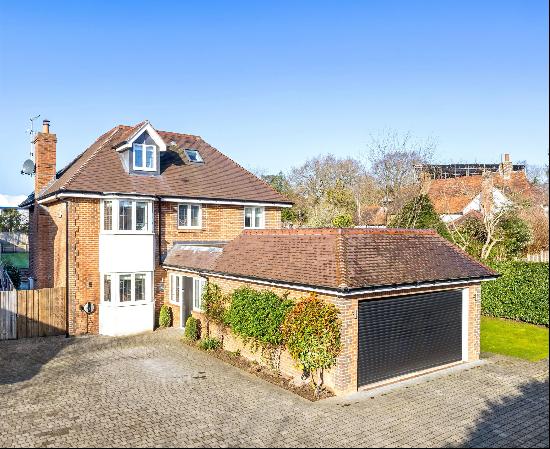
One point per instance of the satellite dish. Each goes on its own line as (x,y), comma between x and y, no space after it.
(28,167)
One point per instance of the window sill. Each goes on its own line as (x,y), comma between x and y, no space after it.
(126,233)
(190,229)
(126,304)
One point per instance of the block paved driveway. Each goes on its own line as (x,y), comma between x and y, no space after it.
(150,390)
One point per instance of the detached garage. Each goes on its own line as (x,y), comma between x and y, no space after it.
(409,300)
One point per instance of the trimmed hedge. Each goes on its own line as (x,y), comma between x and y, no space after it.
(521,293)
(258,315)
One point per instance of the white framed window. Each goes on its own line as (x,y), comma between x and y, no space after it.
(107,288)
(121,215)
(254,217)
(177,290)
(198,288)
(189,216)
(126,288)
(145,157)
(193,155)
(108,215)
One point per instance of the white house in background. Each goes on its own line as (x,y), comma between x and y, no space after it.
(454,197)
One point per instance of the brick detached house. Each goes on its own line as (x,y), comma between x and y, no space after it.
(144,218)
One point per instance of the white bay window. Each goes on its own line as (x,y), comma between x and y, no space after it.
(131,216)
(126,288)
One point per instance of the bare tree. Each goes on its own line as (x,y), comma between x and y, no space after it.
(492,216)
(394,159)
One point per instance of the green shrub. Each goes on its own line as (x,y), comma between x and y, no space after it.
(214,305)
(13,273)
(343,221)
(210,344)
(311,332)
(419,213)
(258,315)
(165,316)
(192,329)
(521,293)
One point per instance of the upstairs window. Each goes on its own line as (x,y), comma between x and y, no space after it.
(193,155)
(254,218)
(108,215)
(189,216)
(144,157)
(126,216)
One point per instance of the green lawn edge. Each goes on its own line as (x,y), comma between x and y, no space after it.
(514,339)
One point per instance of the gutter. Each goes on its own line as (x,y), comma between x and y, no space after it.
(98,195)
(339,292)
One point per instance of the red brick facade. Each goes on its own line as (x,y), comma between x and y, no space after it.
(47,237)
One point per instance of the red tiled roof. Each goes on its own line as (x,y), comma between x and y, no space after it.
(341,259)
(100,169)
(452,195)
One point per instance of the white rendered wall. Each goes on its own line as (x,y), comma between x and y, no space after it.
(126,253)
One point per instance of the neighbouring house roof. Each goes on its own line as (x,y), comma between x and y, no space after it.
(100,169)
(374,216)
(452,195)
(337,259)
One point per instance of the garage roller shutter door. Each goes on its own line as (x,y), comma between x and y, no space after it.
(405,334)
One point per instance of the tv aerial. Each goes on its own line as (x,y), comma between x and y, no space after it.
(28,165)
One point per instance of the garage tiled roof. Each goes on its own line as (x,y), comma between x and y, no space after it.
(100,169)
(340,259)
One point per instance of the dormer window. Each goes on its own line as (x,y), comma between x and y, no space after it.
(144,157)
(193,155)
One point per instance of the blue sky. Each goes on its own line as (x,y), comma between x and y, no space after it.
(274,83)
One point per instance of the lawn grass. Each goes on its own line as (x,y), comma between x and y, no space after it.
(515,339)
(19,260)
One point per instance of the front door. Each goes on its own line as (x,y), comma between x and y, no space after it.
(186,305)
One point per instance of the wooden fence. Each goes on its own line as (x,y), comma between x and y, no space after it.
(32,313)
(542,256)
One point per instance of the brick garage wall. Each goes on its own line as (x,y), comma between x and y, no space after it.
(342,379)
(474,323)
(334,378)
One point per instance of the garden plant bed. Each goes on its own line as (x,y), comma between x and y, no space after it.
(235,359)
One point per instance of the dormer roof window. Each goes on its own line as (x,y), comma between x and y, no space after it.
(193,155)
(145,157)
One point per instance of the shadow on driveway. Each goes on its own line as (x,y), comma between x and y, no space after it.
(21,360)
(513,417)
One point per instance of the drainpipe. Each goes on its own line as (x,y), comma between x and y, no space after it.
(67,269)
(160,231)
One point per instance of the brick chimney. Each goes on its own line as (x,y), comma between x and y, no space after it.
(44,157)
(506,167)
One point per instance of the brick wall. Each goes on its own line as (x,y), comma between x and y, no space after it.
(44,155)
(218,223)
(342,379)
(84,282)
(47,245)
(474,322)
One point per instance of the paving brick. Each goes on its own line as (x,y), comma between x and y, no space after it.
(152,391)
